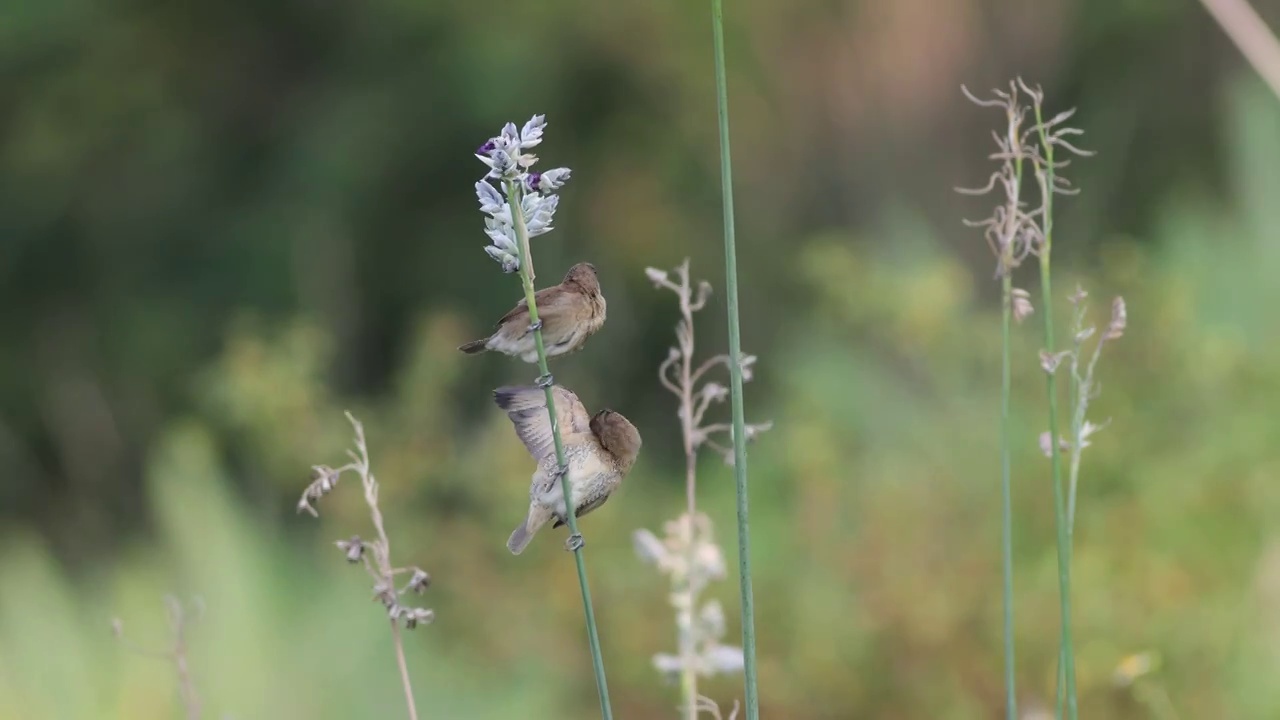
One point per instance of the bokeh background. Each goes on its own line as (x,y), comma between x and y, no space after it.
(222,224)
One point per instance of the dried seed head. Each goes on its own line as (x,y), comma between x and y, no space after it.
(419,581)
(1087,430)
(323,480)
(722,659)
(1119,320)
(1084,334)
(1022,307)
(1047,449)
(648,547)
(753,430)
(1078,296)
(1049,362)
(668,664)
(711,620)
(704,291)
(384,593)
(715,392)
(354,548)
(1022,301)
(414,616)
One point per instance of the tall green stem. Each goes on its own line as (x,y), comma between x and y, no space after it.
(1067,688)
(526,278)
(1006,516)
(735,370)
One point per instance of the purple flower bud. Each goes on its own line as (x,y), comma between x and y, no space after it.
(486,148)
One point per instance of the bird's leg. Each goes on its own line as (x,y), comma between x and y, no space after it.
(545,381)
(534,326)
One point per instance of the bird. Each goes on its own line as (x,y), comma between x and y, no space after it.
(569,312)
(599,450)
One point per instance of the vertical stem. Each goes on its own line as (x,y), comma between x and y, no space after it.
(404,670)
(688,673)
(1073,471)
(526,278)
(735,370)
(686,392)
(1006,516)
(1067,689)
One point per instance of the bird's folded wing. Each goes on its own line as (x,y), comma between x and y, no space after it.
(553,303)
(590,504)
(527,408)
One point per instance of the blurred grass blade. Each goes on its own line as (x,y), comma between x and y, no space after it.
(1006,501)
(735,370)
(1067,687)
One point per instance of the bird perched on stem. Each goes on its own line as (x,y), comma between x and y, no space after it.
(570,313)
(599,449)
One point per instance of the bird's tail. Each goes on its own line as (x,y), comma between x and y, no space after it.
(475,346)
(525,531)
(515,398)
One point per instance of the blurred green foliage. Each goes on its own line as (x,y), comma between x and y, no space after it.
(222,225)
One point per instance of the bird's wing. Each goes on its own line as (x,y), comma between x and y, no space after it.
(588,506)
(553,302)
(527,408)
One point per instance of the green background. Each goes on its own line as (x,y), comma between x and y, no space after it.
(222,224)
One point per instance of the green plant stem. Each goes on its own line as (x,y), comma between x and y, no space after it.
(1067,688)
(1006,515)
(526,278)
(735,370)
(1073,470)
(1073,474)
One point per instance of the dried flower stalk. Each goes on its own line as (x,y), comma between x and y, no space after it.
(688,553)
(1014,230)
(375,555)
(176,654)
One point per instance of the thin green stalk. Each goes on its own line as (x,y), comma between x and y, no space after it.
(1067,688)
(526,278)
(1073,471)
(1006,450)
(735,370)
(1006,518)
(1073,474)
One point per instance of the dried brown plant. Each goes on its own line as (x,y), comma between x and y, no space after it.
(688,553)
(176,653)
(1015,229)
(375,555)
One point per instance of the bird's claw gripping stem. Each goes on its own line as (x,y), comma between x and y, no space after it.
(536,325)
(574,542)
(561,471)
(545,381)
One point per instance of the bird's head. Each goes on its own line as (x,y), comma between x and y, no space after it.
(584,276)
(617,435)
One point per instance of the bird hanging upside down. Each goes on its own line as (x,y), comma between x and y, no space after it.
(599,450)
(570,313)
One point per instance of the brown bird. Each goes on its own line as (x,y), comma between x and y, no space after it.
(599,450)
(570,313)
